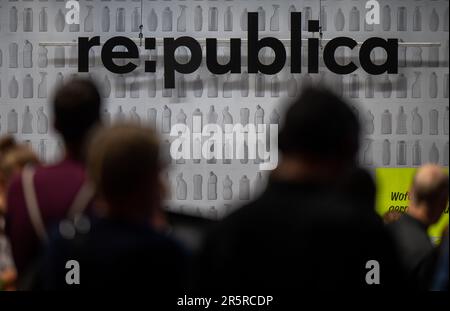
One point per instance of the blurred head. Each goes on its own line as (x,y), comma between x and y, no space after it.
(321,131)
(429,194)
(15,160)
(76,109)
(360,187)
(124,165)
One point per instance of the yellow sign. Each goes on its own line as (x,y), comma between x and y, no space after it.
(393,195)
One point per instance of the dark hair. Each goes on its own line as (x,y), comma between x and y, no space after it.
(321,125)
(76,108)
(123,162)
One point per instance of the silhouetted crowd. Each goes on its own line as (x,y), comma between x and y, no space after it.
(313,227)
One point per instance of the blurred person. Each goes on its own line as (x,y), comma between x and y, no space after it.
(440,278)
(306,231)
(391,217)
(429,197)
(13,158)
(126,247)
(41,197)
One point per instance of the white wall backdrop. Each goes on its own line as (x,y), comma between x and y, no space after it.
(406,116)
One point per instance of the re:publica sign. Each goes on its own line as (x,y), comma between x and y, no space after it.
(254,46)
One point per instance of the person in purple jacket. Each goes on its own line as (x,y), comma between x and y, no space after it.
(42,196)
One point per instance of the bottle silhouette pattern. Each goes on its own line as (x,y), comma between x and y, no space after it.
(27,120)
(227,191)
(434,122)
(28,20)
(106,19)
(386,152)
(417,153)
(43,20)
(12,122)
(13,55)
(401,122)
(28,86)
(181,191)
(417,122)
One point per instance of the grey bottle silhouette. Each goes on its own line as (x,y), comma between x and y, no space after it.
(244,20)
(27,120)
(167,19)
(386,18)
(275,87)
(42,150)
(134,116)
(13,55)
(433,56)
(368,152)
(386,87)
(13,19)
(198,180)
(244,188)
(354,19)
(434,20)
(73,55)
(292,86)
(244,114)
(151,85)
(135,19)
(324,18)
(416,58)
(120,87)
(402,19)
(291,9)
(262,18)
(27,55)
(434,154)
(213,19)
(59,81)
(275,19)
(198,87)
(401,122)
(416,91)
(402,85)
(60,57)
(417,153)
(227,119)
(89,20)
(28,86)
(120,115)
(106,89)
(354,86)
(433,87)
(181,21)
(13,87)
(228,19)
(402,55)
(152,20)
(446,121)
(401,152)
(28,20)
(386,153)
(212,116)
(213,86)
(181,117)
(198,18)
(1,58)
(151,117)
(120,19)
(446,154)
(386,122)
(446,20)
(134,87)
(42,121)
(106,19)
(446,83)
(181,191)
(434,122)
(369,87)
(43,20)
(166,119)
(227,91)
(227,191)
(60,21)
(370,126)
(212,186)
(42,57)
(417,19)
(339,20)
(417,122)
(260,88)
(12,123)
